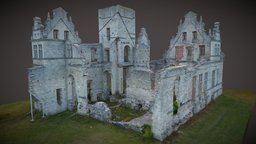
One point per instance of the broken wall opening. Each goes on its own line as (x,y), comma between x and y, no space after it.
(89,90)
(71,93)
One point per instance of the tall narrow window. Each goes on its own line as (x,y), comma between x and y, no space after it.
(205,81)
(194,36)
(70,53)
(55,34)
(126,53)
(40,51)
(193,88)
(58,95)
(35,54)
(89,90)
(217,77)
(175,105)
(202,50)
(107,55)
(200,83)
(213,78)
(66,36)
(184,36)
(124,79)
(189,53)
(93,55)
(108,34)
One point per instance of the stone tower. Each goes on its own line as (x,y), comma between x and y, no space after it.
(117,36)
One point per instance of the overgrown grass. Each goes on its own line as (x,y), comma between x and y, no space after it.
(125,114)
(63,128)
(222,122)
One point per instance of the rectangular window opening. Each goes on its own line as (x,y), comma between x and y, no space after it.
(55,34)
(108,34)
(202,50)
(213,78)
(194,36)
(66,35)
(40,51)
(58,95)
(35,54)
(93,55)
(184,36)
(107,55)
(200,83)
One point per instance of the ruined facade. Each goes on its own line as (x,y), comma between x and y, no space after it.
(69,75)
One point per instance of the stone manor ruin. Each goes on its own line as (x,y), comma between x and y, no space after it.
(70,75)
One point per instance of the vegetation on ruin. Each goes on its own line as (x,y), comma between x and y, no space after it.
(175,105)
(147,132)
(125,114)
(222,121)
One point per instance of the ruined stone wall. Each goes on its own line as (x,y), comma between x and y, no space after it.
(139,90)
(193,91)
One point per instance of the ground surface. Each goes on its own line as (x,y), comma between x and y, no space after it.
(222,122)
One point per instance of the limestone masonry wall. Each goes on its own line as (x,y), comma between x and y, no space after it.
(69,75)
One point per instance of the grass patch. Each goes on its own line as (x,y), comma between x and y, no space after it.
(125,114)
(222,122)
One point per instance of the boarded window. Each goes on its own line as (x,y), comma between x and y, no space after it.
(66,35)
(40,51)
(108,34)
(202,50)
(179,53)
(58,95)
(55,34)
(184,36)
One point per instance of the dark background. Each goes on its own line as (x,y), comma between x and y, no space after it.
(160,18)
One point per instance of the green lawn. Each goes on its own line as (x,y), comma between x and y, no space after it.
(223,121)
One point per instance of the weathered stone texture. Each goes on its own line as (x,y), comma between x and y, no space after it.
(100,111)
(68,74)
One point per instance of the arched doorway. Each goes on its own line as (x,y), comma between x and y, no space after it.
(72,97)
